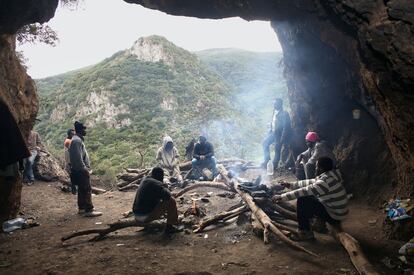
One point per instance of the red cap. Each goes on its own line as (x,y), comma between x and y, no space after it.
(312,137)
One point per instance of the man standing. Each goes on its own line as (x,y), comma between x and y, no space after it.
(323,197)
(80,172)
(153,200)
(33,144)
(169,160)
(306,161)
(279,134)
(66,144)
(203,157)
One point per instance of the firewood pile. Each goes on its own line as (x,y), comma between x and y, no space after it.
(131,177)
(266,217)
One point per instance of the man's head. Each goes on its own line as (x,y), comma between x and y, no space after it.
(324,164)
(278,104)
(311,139)
(80,129)
(202,139)
(157,173)
(70,133)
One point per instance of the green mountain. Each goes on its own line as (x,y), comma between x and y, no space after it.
(132,99)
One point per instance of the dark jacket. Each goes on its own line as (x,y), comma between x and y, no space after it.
(281,126)
(149,194)
(206,149)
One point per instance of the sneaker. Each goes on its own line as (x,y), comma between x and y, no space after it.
(92,214)
(81,211)
(303,235)
(30,182)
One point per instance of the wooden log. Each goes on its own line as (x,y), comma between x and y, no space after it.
(97,191)
(284,212)
(264,219)
(122,183)
(134,170)
(128,187)
(353,248)
(199,184)
(227,214)
(102,232)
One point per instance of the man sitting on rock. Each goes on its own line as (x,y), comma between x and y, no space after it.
(323,197)
(306,161)
(153,200)
(169,160)
(203,157)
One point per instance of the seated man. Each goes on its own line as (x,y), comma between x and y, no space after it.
(306,161)
(169,160)
(153,200)
(323,197)
(203,157)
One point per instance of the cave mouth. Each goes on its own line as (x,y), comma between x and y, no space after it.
(338,57)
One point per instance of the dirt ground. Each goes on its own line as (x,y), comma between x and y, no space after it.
(226,249)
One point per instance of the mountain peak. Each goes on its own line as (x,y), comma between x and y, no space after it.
(153,48)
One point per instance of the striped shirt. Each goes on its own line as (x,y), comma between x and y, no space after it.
(327,188)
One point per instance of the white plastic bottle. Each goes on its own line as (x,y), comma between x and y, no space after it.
(270,168)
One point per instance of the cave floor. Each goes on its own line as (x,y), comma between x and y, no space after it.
(230,249)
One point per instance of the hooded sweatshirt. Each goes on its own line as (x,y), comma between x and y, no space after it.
(167,158)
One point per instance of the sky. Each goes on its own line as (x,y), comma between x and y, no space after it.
(96,29)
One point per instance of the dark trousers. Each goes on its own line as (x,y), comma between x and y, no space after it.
(272,138)
(309,207)
(84,190)
(168,206)
(307,171)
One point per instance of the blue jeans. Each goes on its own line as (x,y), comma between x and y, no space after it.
(28,166)
(210,163)
(269,140)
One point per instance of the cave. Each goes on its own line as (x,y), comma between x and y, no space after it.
(340,57)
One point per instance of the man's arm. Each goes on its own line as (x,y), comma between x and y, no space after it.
(210,151)
(317,188)
(75,155)
(176,159)
(196,154)
(316,154)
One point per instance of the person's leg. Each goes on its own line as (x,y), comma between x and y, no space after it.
(31,162)
(305,211)
(167,176)
(310,171)
(213,166)
(278,149)
(84,193)
(170,207)
(196,166)
(177,173)
(266,144)
(300,172)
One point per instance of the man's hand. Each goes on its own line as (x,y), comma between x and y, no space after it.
(276,198)
(86,172)
(298,160)
(285,184)
(202,157)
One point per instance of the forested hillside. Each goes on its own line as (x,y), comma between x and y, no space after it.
(130,100)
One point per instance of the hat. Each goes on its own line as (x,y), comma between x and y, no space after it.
(79,126)
(312,137)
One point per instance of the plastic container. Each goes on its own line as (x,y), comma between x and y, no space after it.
(270,168)
(14,224)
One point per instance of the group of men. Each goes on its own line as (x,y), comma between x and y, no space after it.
(319,190)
